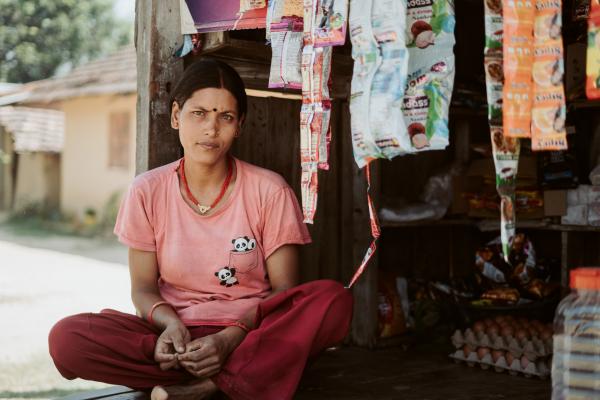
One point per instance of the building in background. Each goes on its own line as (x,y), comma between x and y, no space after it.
(98,100)
(31,140)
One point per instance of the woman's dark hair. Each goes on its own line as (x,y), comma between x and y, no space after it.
(210,73)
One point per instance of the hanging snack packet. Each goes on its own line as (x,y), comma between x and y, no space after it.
(430,40)
(389,82)
(493,61)
(366,62)
(316,109)
(247,5)
(592,88)
(518,61)
(309,185)
(549,111)
(316,69)
(330,27)
(506,160)
(286,60)
(284,15)
(505,150)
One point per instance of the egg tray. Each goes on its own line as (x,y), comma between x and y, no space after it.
(540,369)
(532,348)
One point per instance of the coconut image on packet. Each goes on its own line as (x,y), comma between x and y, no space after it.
(549,113)
(429,22)
(426,103)
(592,87)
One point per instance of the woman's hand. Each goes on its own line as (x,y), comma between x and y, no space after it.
(205,356)
(172,341)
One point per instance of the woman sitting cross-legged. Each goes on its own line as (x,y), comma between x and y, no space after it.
(213,257)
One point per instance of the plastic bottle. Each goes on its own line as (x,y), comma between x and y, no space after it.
(576,359)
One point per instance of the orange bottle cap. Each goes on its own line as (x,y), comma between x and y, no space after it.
(585,278)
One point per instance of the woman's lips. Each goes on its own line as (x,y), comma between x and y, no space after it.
(208,145)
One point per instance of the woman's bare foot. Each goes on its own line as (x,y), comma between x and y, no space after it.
(193,391)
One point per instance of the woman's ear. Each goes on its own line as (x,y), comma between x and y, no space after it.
(175,112)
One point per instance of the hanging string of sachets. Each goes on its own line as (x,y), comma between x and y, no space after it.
(505,150)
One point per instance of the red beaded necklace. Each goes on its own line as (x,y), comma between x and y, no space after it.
(201,208)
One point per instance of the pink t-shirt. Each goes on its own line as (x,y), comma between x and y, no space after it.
(212,268)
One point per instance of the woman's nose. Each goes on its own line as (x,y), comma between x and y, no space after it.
(212,126)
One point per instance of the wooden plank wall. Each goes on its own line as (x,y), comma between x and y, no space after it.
(270,139)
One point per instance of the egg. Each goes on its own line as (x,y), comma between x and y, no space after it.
(482,352)
(497,354)
(478,327)
(507,331)
(509,358)
(467,350)
(500,319)
(493,329)
(521,334)
(545,334)
(537,323)
(524,362)
(488,322)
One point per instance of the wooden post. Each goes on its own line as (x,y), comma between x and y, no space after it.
(364,322)
(157,37)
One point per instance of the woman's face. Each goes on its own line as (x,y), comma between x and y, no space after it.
(208,122)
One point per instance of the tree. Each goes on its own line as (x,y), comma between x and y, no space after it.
(39,36)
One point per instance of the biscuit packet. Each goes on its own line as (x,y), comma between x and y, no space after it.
(247,5)
(505,150)
(284,15)
(367,59)
(330,27)
(389,81)
(426,103)
(518,61)
(549,111)
(592,87)
(286,60)
(493,60)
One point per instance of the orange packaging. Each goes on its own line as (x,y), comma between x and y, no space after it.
(518,60)
(593,52)
(548,112)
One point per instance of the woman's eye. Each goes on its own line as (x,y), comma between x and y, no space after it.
(228,117)
(199,113)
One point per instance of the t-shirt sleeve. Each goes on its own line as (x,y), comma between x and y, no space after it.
(134,224)
(283,222)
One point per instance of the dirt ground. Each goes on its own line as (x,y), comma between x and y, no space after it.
(44,277)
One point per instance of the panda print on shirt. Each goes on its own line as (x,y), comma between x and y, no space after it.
(243,258)
(227,276)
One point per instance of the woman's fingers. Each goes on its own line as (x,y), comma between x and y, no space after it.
(195,368)
(168,365)
(163,352)
(203,372)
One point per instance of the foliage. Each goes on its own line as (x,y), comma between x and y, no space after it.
(39,36)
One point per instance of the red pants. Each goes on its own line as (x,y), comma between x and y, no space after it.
(292,327)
